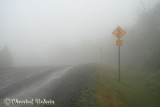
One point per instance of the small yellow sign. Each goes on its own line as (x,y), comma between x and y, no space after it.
(100,49)
(119,32)
(118,42)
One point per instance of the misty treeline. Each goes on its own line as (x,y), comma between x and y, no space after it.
(6,59)
(143,41)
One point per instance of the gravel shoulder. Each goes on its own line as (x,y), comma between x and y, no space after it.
(76,89)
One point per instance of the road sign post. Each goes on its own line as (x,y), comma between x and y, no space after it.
(101,57)
(119,33)
(101,51)
(119,62)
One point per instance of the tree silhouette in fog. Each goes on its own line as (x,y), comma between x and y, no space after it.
(143,47)
(5,58)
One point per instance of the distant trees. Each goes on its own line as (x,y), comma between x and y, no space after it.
(152,55)
(5,58)
(144,40)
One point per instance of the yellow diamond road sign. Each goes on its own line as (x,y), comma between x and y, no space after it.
(118,32)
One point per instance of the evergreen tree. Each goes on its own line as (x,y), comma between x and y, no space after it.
(146,50)
(5,58)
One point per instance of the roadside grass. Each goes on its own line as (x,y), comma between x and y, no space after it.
(107,95)
(136,88)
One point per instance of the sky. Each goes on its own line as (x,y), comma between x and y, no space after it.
(58,32)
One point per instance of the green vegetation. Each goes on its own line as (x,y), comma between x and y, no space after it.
(141,44)
(87,96)
(107,93)
(136,89)
(84,98)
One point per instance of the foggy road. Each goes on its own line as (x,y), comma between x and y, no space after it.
(60,84)
(28,83)
(80,53)
(22,83)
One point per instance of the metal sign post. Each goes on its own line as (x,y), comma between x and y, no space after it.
(119,33)
(101,51)
(119,61)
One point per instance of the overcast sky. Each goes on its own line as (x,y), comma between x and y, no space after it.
(58,30)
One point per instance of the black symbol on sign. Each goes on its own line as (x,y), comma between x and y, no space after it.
(119,32)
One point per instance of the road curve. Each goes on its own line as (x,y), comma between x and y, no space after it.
(61,84)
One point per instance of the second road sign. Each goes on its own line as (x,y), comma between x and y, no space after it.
(118,42)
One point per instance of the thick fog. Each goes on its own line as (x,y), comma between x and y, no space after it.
(62,32)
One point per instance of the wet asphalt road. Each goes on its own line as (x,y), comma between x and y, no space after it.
(63,85)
